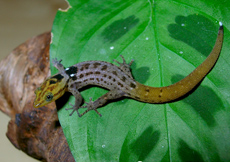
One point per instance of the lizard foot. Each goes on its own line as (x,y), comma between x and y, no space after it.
(90,106)
(74,108)
(55,62)
(125,66)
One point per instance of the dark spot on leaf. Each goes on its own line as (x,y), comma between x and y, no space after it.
(119,28)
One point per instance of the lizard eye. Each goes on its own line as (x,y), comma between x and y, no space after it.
(49,96)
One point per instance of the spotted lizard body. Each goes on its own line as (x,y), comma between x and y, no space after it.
(119,82)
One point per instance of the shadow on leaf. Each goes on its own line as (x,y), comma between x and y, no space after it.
(186,153)
(204,101)
(140,74)
(140,148)
(194,30)
(119,28)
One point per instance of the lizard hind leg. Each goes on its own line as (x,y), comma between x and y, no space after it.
(93,105)
(90,106)
(125,66)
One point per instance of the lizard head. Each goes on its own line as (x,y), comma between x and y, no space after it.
(50,90)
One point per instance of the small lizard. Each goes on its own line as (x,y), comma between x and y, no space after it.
(119,82)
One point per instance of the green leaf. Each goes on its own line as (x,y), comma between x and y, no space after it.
(167,40)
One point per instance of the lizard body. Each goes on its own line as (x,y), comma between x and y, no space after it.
(119,82)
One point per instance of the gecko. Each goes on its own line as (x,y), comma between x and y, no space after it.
(119,81)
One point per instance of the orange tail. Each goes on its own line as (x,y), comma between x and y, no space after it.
(179,89)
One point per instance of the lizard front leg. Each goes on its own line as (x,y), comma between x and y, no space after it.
(93,105)
(78,101)
(57,64)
